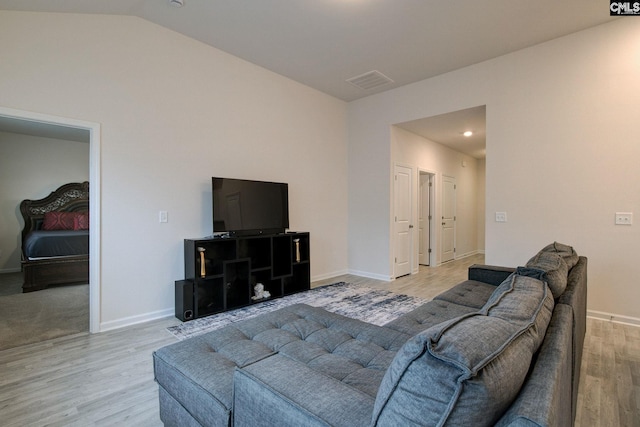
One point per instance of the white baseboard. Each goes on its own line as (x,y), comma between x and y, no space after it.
(329,275)
(614,318)
(468,254)
(390,279)
(134,320)
(371,275)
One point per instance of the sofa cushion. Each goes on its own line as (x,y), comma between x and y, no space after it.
(349,350)
(567,253)
(479,360)
(507,284)
(470,293)
(428,315)
(555,268)
(463,298)
(279,391)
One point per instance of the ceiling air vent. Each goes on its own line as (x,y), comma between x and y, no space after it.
(370,80)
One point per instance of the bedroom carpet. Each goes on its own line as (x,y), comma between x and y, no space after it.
(10,284)
(43,315)
(355,301)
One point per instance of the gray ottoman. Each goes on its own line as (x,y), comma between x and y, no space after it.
(196,375)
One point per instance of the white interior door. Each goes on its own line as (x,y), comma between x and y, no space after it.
(402,220)
(448,219)
(424,219)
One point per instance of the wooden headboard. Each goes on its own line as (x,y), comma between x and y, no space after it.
(73,197)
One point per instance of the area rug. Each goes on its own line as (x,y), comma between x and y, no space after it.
(355,301)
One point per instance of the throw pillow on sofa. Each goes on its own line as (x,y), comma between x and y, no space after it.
(467,371)
(556,270)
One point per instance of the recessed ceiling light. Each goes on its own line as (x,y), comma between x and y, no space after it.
(468,133)
(176,3)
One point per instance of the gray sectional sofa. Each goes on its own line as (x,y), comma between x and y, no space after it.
(501,348)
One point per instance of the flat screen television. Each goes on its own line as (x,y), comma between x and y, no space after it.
(245,207)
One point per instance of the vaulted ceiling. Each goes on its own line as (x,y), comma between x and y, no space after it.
(325,43)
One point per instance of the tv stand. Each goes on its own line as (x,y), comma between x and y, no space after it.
(220,273)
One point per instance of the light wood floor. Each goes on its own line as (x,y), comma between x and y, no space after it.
(609,392)
(106,379)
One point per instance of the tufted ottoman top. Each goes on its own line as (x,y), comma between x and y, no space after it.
(198,372)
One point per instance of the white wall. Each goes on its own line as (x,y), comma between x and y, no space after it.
(30,168)
(173,113)
(562,148)
(420,153)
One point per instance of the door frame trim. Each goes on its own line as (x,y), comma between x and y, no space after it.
(95,200)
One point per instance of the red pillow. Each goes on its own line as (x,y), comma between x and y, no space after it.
(58,221)
(81,221)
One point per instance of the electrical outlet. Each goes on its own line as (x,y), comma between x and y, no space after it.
(501,217)
(624,218)
(163,216)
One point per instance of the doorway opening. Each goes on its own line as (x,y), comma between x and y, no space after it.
(42,121)
(448,151)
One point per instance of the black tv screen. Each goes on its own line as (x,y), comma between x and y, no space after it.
(244,207)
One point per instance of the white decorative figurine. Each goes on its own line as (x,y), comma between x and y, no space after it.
(260,293)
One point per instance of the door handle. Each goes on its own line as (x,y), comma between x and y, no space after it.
(411,226)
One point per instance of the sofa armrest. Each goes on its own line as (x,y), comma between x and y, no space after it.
(545,397)
(575,296)
(490,274)
(283,392)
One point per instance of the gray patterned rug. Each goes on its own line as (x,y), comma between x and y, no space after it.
(358,302)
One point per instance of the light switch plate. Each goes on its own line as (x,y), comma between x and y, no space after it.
(163,216)
(501,217)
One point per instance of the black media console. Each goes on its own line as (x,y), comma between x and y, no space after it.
(221,272)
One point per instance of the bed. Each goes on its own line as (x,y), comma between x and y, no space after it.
(55,238)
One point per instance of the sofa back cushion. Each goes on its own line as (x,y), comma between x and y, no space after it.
(567,253)
(468,370)
(555,268)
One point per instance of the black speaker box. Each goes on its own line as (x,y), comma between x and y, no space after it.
(184,300)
